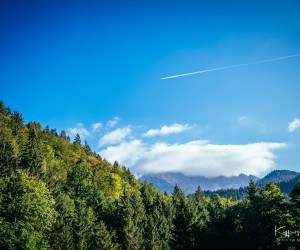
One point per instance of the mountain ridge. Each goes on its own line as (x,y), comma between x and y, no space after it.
(166,181)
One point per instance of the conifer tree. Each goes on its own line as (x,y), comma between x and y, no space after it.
(295,202)
(62,236)
(63,135)
(2,108)
(132,220)
(182,220)
(101,239)
(87,148)
(153,239)
(79,181)
(77,139)
(268,210)
(18,125)
(84,223)
(8,151)
(252,191)
(32,157)
(200,215)
(295,211)
(26,212)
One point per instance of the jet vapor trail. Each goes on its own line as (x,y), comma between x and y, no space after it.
(232,66)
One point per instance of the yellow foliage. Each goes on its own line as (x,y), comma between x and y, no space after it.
(116,185)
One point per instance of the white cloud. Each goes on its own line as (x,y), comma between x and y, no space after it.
(113,122)
(293,125)
(126,153)
(79,129)
(115,136)
(96,126)
(165,130)
(243,120)
(195,157)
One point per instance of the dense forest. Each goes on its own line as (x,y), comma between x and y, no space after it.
(58,194)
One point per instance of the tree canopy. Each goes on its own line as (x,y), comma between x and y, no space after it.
(57,194)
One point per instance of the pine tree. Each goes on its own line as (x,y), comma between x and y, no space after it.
(63,135)
(77,139)
(154,217)
(8,152)
(217,215)
(267,211)
(8,111)
(182,220)
(252,191)
(162,216)
(18,125)
(295,211)
(295,203)
(132,220)
(101,238)
(2,108)
(151,234)
(32,157)
(62,236)
(26,212)
(87,148)
(200,215)
(84,223)
(79,181)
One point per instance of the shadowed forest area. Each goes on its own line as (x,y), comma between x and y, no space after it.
(58,194)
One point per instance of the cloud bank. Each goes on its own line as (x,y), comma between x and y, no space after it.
(195,157)
(198,157)
(166,130)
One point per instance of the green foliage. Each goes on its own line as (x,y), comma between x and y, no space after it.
(265,211)
(32,156)
(157,232)
(60,195)
(8,151)
(77,139)
(26,212)
(131,220)
(79,181)
(182,221)
(200,218)
(252,191)
(101,239)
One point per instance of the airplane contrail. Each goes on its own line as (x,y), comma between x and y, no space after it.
(228,67)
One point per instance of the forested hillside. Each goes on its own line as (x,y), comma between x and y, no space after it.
(277,176)
(58,194)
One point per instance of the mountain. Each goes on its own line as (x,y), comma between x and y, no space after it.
(189,184)
(58,194)
(287,186)
(284,179)
(277,176)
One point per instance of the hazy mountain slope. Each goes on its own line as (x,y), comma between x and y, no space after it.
(282,178)
(167,181)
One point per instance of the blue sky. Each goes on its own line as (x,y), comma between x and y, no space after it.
(96,68)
